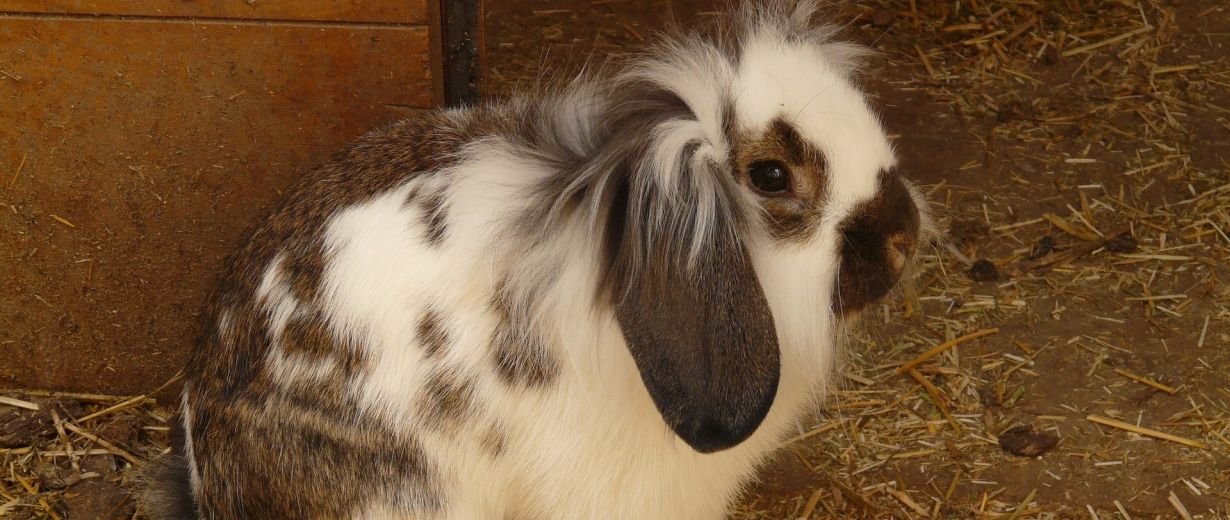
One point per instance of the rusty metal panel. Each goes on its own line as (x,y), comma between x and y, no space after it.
(388,11)
(135,153)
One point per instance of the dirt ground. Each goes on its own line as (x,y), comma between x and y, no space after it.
(1077,154)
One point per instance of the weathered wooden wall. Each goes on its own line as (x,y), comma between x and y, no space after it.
(139,140)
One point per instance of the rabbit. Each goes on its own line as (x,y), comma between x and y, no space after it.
(612,299)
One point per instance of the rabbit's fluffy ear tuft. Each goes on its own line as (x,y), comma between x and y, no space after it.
(686,297)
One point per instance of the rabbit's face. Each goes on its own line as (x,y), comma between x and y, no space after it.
(750,199)
(812,154)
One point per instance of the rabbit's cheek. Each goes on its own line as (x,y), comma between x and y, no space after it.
(791,220)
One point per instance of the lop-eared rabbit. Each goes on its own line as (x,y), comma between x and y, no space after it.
(610,300)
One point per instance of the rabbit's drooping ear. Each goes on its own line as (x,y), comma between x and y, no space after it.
(692,311)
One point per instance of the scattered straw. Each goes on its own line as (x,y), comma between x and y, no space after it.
(1204,330)
(122,405)
(1024,504)
(1149,432)
(1063,225)
(936,396)
(811,504)
(18,403)
(1109,41)
(817,431)
(75,396)
(62,220)
(20,165)
(1146,381)
(68,444)
(939,349)
(115,450)
(1178,506)
(907,502)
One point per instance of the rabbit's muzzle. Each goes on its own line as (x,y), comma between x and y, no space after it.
(878,239)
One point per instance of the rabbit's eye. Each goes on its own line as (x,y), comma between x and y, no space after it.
(770,177)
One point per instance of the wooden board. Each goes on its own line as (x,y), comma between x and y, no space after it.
(332,11)
(136,152)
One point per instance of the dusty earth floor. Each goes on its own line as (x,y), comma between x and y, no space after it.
(1077,154)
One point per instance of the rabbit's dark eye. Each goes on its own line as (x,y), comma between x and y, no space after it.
(770,177)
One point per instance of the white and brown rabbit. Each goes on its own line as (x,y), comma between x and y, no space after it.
(606,301)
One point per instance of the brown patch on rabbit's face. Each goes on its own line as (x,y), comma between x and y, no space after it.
(877,239)
(792,214)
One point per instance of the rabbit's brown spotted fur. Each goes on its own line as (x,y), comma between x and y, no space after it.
(303,268)
(431,333)
(309,336)
(435,216)
(521,358)
(344,457)
(447,401)
(494,440)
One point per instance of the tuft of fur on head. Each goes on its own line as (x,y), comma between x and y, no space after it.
(164,491)
(795,21)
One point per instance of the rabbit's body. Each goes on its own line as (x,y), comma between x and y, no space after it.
(452,320)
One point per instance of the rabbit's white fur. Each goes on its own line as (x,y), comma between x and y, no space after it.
(591,444)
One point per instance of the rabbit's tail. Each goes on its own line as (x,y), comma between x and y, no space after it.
(165,492)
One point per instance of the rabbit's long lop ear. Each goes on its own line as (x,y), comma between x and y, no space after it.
(692,310)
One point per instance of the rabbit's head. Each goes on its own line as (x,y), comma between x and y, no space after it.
(747,200)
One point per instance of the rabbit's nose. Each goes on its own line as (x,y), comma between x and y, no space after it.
(877,242)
